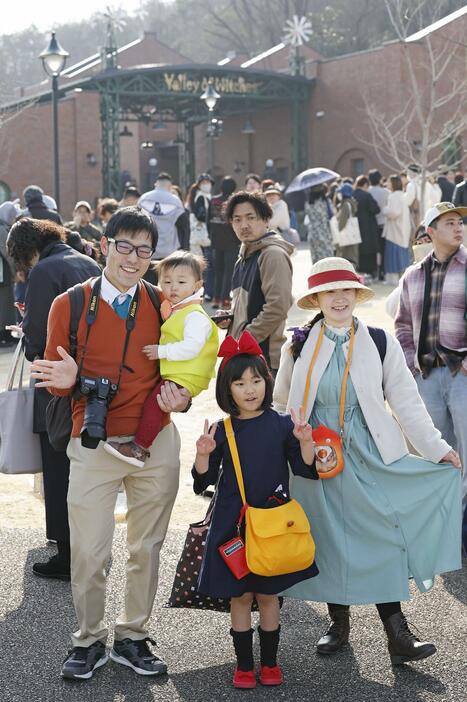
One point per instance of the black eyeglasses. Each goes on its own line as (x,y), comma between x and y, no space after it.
(124,247)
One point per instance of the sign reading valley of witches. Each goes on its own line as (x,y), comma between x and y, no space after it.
(183,83)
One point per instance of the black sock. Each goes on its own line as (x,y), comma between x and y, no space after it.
(269,643)
(243,645)
(387,609)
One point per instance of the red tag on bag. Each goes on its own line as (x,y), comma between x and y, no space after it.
(233,552)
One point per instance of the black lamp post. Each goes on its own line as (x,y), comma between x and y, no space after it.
(53,60)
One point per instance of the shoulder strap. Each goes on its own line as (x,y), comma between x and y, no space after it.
(154,297)
(76,297)
(380,340)
(235,457)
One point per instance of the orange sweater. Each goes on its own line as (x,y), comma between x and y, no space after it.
(104,355)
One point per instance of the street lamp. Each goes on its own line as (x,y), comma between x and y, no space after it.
(53,60)
(210,96)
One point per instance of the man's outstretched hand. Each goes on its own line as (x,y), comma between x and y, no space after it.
(55,374)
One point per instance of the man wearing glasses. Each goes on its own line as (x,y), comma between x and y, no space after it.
(123,320)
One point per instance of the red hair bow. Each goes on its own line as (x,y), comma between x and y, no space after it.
(230,347)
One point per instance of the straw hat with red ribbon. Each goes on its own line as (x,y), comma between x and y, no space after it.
(333,274)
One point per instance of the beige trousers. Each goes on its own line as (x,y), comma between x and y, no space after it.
(95,477)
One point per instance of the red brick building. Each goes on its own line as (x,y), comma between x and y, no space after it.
(324,121)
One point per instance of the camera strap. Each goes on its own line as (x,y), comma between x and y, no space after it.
(91,315)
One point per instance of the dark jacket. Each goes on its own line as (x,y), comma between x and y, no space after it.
(460,194)
(447,189)
(88,231)
(59,268)
(38,210)
(367,210)
(222,235)
(183,230)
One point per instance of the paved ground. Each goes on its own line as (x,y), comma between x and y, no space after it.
(36,617)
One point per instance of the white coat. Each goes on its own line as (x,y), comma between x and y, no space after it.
(369,379)
(397,227)
(280,216)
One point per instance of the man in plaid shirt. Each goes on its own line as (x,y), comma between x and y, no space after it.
(431,326)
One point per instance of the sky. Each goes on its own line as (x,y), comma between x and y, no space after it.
(47,13)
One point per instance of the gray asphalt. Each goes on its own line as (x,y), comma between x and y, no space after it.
(37,615)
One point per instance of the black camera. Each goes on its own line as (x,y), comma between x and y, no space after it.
(98,392)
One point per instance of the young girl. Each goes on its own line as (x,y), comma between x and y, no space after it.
(387,516)
(187,349)
(267,444)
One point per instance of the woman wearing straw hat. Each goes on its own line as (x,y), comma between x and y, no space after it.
(387,515)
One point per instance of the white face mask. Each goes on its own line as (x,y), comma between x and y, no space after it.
(205,188)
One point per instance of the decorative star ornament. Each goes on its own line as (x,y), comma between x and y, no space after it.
(297,31)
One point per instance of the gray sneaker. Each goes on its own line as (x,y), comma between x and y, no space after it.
(137,656)
(81,662)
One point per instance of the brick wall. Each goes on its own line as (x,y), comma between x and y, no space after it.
(335,138)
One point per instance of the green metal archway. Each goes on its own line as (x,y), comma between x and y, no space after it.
(172,92)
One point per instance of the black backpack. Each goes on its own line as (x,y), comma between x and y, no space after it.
(58,412)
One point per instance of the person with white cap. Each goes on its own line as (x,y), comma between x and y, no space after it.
(81,223)
(431,326)
(280,220)
(379,515)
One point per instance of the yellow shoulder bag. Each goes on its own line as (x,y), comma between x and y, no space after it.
(278,539)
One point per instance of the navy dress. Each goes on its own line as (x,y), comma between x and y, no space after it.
(266,446)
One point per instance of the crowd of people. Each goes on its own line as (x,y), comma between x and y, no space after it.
(372,221)
(160,276)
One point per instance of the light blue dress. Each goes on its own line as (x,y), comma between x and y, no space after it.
(375,525)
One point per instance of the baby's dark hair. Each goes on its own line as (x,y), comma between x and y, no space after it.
(233,370)
(197,264)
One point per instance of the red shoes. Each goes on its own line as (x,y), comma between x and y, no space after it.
(268,676)
(271,676)
(244,679)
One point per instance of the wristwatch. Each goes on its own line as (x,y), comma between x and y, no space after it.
(188,407)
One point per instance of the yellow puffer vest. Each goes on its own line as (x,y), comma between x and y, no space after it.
(194,375)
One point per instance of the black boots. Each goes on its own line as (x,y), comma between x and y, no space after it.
(404,646)
(338,633)
(57,567)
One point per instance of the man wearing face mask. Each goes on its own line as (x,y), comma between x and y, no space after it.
(199,204)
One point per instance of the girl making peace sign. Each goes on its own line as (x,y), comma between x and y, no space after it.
(267,444)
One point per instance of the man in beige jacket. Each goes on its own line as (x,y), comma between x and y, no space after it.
(262,277)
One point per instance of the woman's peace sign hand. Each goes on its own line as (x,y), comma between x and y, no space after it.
(302,430)
(206,443)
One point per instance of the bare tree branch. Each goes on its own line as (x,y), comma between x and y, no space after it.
(432,111)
